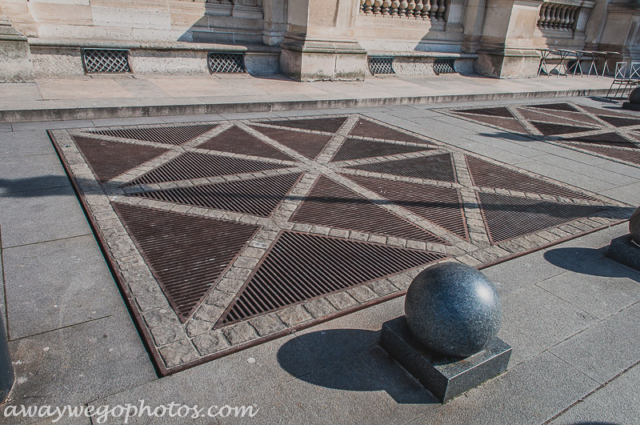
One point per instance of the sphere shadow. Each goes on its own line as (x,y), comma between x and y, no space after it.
(350,360)
(589,261)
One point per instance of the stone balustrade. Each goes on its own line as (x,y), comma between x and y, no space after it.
(413,9)
(558,17)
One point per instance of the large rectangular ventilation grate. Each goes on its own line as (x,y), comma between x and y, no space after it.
(444,66)
(227,63)
(98,61)
(381,65)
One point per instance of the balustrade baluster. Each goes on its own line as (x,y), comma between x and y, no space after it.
(377,6)
(417,12)
(410,7)
(395,4)
(441,10)
(402,10)
(386,4)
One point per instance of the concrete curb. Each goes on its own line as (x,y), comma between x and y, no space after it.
(89,113)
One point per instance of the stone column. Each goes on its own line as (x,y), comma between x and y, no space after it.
(275,21)
(506,45)
(621,32)
(595,25)
(473,25)
(320,43)
(15,58)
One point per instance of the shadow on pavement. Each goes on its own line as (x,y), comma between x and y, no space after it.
(336,362)
(589,261)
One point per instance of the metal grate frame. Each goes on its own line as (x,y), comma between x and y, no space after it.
(444,66)
(101,61)
(226,63)
(381,65)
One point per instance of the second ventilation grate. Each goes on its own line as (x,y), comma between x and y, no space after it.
(97,61)
(227,63)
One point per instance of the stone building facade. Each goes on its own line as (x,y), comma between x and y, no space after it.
(309,39)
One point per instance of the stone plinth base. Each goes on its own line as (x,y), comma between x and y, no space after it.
(624,251)
(631,106)
(444,377)
(507,63)
(317,60)
(14,54)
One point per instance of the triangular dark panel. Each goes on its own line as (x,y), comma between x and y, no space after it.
(236,140)
(576,117)
(193,165)
(624,155)
(609,112)
(358,149)
(366,128)
(619,121)
(440,205)
(301,267)
(508,124)
(186,254)
(486,174)
(307,144)
(434,167)
(166,135)
(330,125)
(539,116)
(256,196)
(555,107)
(333,205)
(548,129)
(611,139)
(509,217)
(110,159)
(493,112)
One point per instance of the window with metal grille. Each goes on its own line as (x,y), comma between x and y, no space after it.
(105,61)
(381,65)
(226,63)
(444,66)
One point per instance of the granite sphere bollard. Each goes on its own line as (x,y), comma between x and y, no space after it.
(453,309)
(634,226)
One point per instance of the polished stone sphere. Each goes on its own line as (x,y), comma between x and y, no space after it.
(453,309)
(634,96)
(634,226)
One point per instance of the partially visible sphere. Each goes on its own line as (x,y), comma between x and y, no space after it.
(634,96)
(453,309)
(634,226)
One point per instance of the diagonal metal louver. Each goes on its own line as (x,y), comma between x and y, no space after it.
(227,63)
(97,61)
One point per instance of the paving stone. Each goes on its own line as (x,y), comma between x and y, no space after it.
(209,313)
(178,353)
(240,333)
(55,284)
(529,393)
(268,324)
(41,215)
(78,364)
(34,172)
(319,307)
(362,293)
(604,287)
(617,402)
(163,335)
(341,300)
(197,327)
(535,320)
(382,287)
(294,315)
(210,342)
(606,349)
(23,143)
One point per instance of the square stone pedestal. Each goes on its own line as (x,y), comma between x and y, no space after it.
(624,251)
(444,377)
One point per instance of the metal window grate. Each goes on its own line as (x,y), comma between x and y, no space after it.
(444,66)
(105,61)
(226,63)
(381,65)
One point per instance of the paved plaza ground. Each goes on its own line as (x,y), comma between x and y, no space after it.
(570,313)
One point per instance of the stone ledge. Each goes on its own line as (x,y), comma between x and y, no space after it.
(145,45)
(436,55)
